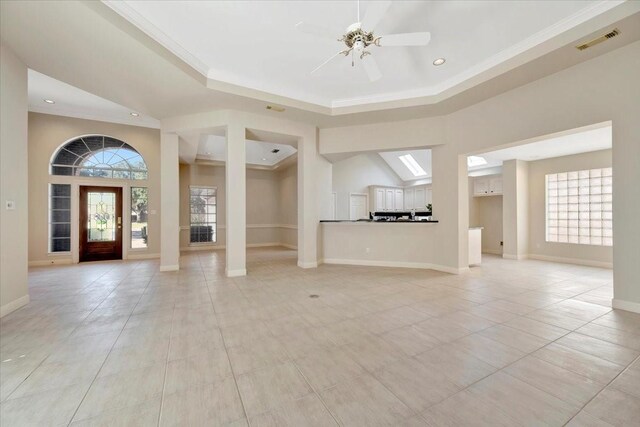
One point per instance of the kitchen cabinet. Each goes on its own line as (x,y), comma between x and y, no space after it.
(409,198)
(389,199)
(378,200)
(420,198)
(398,199)
(487,186)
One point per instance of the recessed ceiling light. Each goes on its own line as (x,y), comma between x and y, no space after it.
(439,61)
(412,165)
(476,161)
(135,114)
(49,101)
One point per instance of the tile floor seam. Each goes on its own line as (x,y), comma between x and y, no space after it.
(324,404)
(166,367)
(65,338)
(226,351)
(604,388)
(108,353)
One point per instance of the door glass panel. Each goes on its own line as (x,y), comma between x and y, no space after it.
(101,225)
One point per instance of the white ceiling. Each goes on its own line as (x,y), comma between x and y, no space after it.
(423,157)
(73,102)
(214,148)
(595,138)
(254,44)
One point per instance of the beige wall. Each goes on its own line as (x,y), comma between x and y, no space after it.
(271,204)
(13,175)
(598,90)
(600,255)
(356,174)
(46,134)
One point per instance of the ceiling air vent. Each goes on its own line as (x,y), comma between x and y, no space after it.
(275,151)
(611,34)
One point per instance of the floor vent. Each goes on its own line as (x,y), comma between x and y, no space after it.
(611,34)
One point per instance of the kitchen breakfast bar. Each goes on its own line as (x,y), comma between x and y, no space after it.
(408,244)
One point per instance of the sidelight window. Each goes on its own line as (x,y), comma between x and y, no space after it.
(203,214)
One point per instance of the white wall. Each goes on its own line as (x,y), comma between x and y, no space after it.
(538,247)
(356,174)
(271,204)
(13,179)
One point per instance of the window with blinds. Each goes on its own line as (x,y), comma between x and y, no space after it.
(579,207)
(59,218)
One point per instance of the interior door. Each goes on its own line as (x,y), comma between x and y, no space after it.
(100,223)
(358,207)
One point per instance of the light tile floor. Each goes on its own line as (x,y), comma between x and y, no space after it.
(509,343)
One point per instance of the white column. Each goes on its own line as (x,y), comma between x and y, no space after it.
(308,202)
(515,209)
(169,203)
(451,208)
(236,201)
(14,194)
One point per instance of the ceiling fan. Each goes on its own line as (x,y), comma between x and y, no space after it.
(359,37)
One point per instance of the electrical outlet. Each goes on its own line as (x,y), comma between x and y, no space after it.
(10,205)
(367,250)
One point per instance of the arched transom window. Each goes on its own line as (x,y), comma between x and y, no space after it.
(99,156)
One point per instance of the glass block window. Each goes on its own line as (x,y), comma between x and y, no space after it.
(99,156)
(59,218)
(203,214)
(579,207)
(139,214)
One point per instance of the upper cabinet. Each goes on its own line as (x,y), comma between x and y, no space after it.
(487,186)
(387,199)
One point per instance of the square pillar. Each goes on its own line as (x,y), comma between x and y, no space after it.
(515,209)
(308,201)
(451,208)
(169,203)
(236,201)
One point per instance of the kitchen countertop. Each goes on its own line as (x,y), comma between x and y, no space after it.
(349,221)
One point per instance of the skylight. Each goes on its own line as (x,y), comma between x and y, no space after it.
(412,165)
(475,161)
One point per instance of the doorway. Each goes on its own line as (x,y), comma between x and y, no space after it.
(358,206)
(100,223)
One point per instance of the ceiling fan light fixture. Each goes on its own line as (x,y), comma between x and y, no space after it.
(439,61)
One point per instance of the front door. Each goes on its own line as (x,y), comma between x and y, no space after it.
(100,223)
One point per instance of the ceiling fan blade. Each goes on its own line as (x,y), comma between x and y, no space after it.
(371,68)
(375,12)
(405,39)
(315,30)
(326,62)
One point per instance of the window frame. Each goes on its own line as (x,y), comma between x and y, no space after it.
(579,207)
(215,223)
(146,247)
(50,221)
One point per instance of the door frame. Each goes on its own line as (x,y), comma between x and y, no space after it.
(366,195)
(82,231)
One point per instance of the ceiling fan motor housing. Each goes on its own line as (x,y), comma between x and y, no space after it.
(356,34)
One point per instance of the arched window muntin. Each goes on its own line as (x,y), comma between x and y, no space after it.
(99,156)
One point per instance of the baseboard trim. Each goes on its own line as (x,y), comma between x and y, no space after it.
(142,256)
(396,264)
(174,267)
(631,306)
(249,245)
(14,305)
(586,262)
(236,273)
(52,261)
(309,264)
(492,252)
(515,257)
